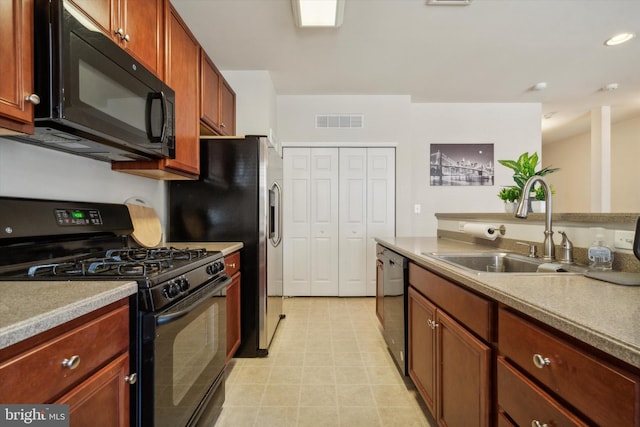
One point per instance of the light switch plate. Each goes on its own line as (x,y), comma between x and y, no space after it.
(623,239)
(417,209)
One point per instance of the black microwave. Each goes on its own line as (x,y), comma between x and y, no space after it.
(95,99)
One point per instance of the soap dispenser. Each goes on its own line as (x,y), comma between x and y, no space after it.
(600,255)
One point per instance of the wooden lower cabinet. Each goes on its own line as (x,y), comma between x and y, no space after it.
(422,347)
(108,388)
(234,330)
(450,366)
(596,389)
(83,363)
(526,404)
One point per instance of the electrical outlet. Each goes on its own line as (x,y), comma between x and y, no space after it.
(623,239)
(416,209)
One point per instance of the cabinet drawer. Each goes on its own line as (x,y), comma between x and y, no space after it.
(471,310)
(232,263)
(607,395)
(525,403)
(38,375)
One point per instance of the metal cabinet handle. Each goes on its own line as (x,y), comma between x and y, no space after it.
(536,423)
(222,125)
(126,37)
(541,361)
(72,363)
(119,32)
(232,265)
(33,98)
(432,324)
(131,379)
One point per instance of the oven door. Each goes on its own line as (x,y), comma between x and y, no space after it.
(183,359)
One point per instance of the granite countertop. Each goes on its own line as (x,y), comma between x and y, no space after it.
(601,314)
(28,308)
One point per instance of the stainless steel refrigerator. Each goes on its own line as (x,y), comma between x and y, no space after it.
(238,198)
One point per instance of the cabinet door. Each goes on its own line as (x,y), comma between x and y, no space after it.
(103,13)
(422,347)
(464,367)
(233,316)
(182,76)
(103,399)
(227,109)
(209,92)
(16,67)
(142,22)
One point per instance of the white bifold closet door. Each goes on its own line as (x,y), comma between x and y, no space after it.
(310,221)
(336,201)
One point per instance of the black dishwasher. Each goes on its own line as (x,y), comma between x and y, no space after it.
(394,288)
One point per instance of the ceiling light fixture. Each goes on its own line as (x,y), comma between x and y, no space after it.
(318,13)
(609,87)
(619,39)
(539,86)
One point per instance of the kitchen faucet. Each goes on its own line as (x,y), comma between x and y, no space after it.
(523,210)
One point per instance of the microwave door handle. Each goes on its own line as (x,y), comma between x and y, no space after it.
(151,97)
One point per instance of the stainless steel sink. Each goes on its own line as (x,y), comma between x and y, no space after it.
(504,262)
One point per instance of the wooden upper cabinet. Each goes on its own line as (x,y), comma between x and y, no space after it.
(217,100)
(137,26)
(182,58)
(16,67)
(227,109)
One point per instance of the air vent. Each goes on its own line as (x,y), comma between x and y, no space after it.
(448,2)
(336,121)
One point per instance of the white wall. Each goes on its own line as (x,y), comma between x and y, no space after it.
(255,101)
(572,155)
(512,128)
(41,173)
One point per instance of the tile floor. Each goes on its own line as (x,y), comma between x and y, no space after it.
(328,366)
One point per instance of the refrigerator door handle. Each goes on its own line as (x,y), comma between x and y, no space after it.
(275,213)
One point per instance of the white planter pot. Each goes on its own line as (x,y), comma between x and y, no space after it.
(538,206)
(510,207)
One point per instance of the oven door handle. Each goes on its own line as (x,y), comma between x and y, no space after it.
(168,318)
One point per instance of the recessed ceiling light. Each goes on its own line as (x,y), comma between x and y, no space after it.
(539,86)
(609,87)
(619,39)
(318,13)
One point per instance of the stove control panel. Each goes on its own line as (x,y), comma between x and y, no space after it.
(173,288)
(78,217)
(215,267)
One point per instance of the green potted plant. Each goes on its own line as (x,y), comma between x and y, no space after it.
(524,168)
(509,195)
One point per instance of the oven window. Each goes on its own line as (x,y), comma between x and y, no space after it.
(115,100)
(194,348)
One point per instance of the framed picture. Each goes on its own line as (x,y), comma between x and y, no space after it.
(461,164)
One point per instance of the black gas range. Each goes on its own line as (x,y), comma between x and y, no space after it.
(180,305)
